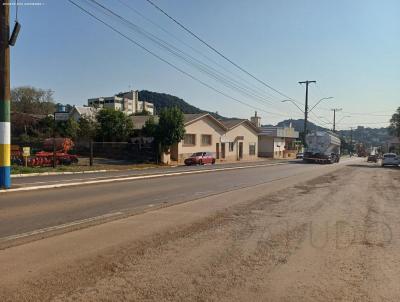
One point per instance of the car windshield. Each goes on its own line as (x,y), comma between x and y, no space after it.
(197,154)
(389,155)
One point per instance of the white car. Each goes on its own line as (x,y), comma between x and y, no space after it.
(390,159)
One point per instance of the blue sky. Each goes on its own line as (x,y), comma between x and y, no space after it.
(352,49)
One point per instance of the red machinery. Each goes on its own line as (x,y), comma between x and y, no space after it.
(61,146)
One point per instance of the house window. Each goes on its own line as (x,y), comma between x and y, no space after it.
(206,140)
(231,145)
(189,139)
(252,149)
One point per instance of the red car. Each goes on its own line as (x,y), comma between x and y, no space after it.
(200,158)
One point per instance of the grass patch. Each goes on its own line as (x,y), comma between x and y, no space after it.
(80,168)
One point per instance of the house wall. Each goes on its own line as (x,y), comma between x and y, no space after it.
(202,126)
(180,152)
(265,146)
(279,147)
(268,146)
(249,137)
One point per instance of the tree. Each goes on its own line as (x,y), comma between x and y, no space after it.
(171,127)
(32,100)
(113,125)
(150,127)
(68,128)
(87,128)
(394,127)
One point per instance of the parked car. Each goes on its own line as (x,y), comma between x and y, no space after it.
(200,158)
(300,155)
(372,158)
(390,159)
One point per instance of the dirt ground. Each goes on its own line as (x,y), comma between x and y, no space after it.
(334,238)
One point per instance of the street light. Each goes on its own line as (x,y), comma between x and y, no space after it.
(294,103)
(327,98)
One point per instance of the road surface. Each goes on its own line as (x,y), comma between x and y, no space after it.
(306,233)
(24,212)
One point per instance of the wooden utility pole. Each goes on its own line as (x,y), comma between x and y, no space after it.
(5,127)
(306,108)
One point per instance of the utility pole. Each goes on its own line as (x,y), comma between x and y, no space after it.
(351,140)
(334,117)
(5,127)
(306,108)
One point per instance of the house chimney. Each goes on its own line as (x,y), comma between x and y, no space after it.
(256,120)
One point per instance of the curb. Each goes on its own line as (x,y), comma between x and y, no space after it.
(59,173)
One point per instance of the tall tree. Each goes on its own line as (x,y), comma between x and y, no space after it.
(394,127)
(113,125)
(69,128)
(87,128)
(171,127)
(32,100)
(150,127)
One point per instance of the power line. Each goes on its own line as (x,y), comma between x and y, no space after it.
(217,51)
(192,48)
(202,67)
(167,62)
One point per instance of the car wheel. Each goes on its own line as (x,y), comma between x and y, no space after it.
(213,161)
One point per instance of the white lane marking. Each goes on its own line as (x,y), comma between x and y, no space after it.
(90,182)
(59,227)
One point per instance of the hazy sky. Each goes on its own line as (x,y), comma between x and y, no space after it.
(350,47)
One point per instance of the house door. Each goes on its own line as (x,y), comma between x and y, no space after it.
(240,150)
(222,150)
(217,150)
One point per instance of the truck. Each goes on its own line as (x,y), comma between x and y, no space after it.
(323,147)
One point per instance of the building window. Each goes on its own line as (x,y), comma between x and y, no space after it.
(189,140)
(231,145)
(252,149)
(206,140)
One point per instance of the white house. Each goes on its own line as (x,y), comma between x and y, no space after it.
(78,111)
(277,142)
(229,140)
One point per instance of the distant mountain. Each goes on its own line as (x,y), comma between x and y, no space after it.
(164,100)
(370,137)
(367,136)
(298,125)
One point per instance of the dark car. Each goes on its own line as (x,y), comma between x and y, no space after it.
(200,158)
(372,158)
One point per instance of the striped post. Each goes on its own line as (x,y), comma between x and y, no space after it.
(5,129)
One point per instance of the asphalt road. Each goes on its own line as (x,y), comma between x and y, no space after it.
(320,233)
(65,178)
(22,212)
